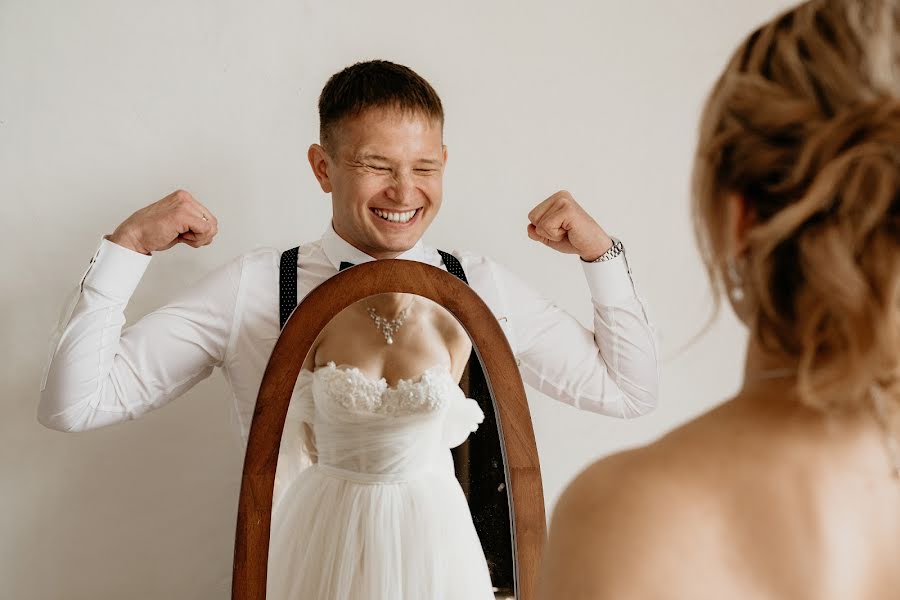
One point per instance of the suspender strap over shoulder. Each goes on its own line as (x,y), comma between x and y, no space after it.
(287,279)
(453,266)
(287,283)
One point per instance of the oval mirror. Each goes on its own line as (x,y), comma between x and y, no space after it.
(379,372)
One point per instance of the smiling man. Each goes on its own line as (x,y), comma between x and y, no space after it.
(383,167)
(381,158)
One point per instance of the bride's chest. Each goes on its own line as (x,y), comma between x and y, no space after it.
(350,389)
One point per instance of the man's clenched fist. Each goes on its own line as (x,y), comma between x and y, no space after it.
(561,223)
(178,217)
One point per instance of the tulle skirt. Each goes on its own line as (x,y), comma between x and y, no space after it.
(336,538)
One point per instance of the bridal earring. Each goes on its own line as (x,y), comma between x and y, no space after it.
(736,289)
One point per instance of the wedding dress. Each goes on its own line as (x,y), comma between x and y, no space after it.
(379,515)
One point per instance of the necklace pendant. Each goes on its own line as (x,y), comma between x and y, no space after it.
(388,327)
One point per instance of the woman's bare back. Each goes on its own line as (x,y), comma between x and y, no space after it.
(759,498)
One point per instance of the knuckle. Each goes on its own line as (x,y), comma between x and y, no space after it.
(183,196)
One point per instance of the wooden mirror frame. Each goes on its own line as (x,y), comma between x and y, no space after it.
(523,473)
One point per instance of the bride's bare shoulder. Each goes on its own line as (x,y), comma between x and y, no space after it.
(452,334)
(636,488)
(633,523)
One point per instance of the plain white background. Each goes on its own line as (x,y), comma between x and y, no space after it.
(106,106)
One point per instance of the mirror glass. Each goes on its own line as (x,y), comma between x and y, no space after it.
(391,480)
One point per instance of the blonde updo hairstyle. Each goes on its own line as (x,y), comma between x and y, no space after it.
(804,125)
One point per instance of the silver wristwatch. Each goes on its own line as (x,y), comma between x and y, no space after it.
(616,249)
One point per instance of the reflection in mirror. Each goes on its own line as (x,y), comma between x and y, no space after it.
(368,502)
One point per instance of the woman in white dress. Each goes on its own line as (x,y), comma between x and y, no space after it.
(379,514)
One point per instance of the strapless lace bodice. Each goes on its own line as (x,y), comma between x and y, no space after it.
(359,427)
(354,390)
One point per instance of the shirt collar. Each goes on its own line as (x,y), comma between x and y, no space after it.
(339,250)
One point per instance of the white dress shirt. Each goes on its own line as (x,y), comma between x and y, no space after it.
(99,373)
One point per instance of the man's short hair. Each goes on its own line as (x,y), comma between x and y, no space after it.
(374,84)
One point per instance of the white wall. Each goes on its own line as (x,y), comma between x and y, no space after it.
(106,106)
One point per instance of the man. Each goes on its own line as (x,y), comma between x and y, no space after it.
(381,157)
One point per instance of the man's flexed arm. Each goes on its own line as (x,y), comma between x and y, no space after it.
(99,374)
(613,369)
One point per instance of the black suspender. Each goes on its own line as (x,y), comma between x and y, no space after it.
(453,266)
(287,280)
(287,284)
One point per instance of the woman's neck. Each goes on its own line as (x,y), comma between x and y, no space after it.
(390,305)
(763,365)
(770,390)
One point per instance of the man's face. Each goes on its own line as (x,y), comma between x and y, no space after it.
(385,174)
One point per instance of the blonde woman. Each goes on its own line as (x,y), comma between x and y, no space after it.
(790,489)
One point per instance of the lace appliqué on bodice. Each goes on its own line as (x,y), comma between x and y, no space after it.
(356,391)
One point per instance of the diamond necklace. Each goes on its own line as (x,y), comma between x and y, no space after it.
(388,326)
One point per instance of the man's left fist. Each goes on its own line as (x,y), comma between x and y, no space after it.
(561,223)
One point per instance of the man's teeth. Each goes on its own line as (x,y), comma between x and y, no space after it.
(396,217)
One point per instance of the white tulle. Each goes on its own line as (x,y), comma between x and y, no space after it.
(378,515)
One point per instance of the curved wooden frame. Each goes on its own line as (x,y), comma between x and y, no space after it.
(251,546)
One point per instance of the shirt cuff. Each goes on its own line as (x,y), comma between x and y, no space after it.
(115,271)
(609,281)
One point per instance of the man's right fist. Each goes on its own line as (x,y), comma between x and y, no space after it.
(176,218)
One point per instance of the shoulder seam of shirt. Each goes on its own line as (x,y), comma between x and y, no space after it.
(308,248)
